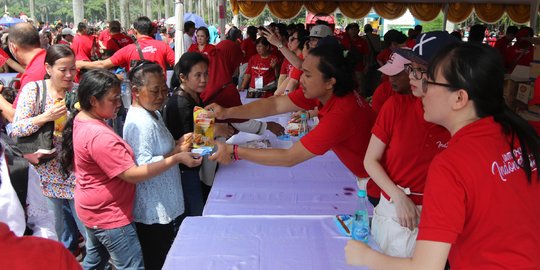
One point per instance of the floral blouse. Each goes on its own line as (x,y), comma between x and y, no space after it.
(54,183)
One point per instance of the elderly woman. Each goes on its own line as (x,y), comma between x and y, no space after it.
(159,202)
(56,185)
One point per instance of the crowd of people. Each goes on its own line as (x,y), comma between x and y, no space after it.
(419,119)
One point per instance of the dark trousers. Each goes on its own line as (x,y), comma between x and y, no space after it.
(156,240)
(193,193)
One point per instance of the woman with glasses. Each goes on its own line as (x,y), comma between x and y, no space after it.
(159,201)
(202,46)
(401,148)
(482,195)
(107,172)
(296,44)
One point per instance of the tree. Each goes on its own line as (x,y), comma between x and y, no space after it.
(78,11)
(124,13)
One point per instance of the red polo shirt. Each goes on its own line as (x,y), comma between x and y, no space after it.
(34,71)
(206,50)
(152,50)
(82,47)
(478,200)
(117,41)
(249,49)
(383,92)
(411,142)
(344,128)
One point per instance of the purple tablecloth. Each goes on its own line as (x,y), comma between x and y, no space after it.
(319,186)
(258,243)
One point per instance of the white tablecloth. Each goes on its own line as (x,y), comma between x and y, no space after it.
(258,243)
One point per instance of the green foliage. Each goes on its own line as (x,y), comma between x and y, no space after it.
(434,25)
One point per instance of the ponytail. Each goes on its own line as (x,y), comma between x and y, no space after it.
(66,155)
(515,126)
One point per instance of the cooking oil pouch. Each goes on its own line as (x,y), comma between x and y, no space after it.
(203,130)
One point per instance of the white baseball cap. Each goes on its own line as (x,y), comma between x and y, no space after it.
(67,31)
(320,31)
(395,65)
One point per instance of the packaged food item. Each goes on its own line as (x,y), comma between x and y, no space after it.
(59,123)
(203,130)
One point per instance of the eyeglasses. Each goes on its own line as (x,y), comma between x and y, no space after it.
(417,73)
(425,84)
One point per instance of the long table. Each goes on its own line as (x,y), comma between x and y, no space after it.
(258,243)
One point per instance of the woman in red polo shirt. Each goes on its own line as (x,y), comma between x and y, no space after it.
(261,70)
(401,148)
(482,195)
(345,117)
(202,45)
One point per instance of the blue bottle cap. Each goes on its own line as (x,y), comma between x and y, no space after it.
(303,116)
(362,193)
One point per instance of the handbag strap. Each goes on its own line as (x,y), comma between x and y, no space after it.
(43,94)
(139,49)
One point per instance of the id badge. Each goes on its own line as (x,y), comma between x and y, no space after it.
(259,82)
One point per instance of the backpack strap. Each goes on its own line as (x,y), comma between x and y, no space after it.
(139,49)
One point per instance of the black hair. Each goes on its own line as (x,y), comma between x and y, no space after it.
(206,32)
(24,35)
(115,27)
(263,41)
(81,27)
(9,93)
(302,35)
(332,64)
(95,83)
(478,69)
(477,33)
(187,61)
(140,69)
(188,26)
(143,25)
(252,32)
(512,29)
(368,28)
(55,52)
(352,25)
(457,35)
(233,34)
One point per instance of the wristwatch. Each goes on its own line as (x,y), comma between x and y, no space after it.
(279,46)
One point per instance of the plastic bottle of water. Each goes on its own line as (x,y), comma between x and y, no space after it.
(360,226)
(125,92)
(303,125)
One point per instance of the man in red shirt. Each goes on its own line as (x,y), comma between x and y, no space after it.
(24,44)
(522,52)
(83,43)
(67,36)
(115,40)
(151,50)
(398,81)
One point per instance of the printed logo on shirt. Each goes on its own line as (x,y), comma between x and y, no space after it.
(149,49)
(511,162)
(442,145)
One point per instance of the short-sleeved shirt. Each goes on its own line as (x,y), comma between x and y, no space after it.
(117,41)
(152,50)
(208,48)
(478,199)
(513,53)
(249,49)
(102,199)
(383,92)
(344,127)
(34,71)
(285,67)
(82,47)
(260,67)
(411,142)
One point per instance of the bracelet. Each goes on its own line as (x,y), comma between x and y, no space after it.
(235,152)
